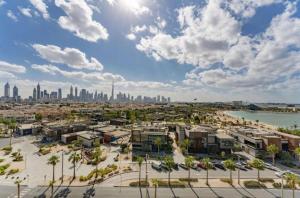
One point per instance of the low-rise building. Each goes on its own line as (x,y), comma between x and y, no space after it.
(88,138)
(28,129)
(255,141)
(143,138)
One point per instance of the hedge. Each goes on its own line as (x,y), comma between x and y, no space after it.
(253,184)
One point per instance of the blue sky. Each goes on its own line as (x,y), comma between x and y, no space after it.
(210,50)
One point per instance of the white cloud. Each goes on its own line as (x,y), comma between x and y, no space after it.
(137,29)
(11,15)
(13,68)
(247,8)
(79,20)
(2,2)
(91,76)
(206,35)
(6,75)
(131,36)
(41,6)
(25,11)
(70,56)
(134,7)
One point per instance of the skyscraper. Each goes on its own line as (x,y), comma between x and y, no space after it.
(112,92)
(76,92)
(71,92)
(59,94)
(34,94)
(6,90)
(38,91)
(15,92)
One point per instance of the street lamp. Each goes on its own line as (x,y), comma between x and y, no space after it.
(18,182)
(239,170)
(146,158)
(62,166)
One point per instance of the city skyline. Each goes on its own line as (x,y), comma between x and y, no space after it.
(84,95)
(209,50)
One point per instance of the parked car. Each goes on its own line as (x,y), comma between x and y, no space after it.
(176,166)
(271,167)
(219,165)
(240,166)
(183,166)
(282,173)
(246,165)
(164,166)
(156,166)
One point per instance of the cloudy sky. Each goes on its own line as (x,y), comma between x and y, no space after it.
(214,50)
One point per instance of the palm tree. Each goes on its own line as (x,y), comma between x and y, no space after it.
(297,152)
(273,150)
(158,143)
(12,126)
(97,158)
(257,121)
(74,158)
(207,164)
(189,162)
(186,143)
(292,180)
(53,160)
(259,165)
(229,164)
(140,160)
(169,161)
(155,183)
(18,182)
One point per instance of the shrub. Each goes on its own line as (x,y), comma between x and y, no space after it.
(188,180)
(82,178)
(1,160)
(174,184)
(225,180)
(13,171)
(265,180)
(253,184)
(7,148)
(277,185)
(136,183)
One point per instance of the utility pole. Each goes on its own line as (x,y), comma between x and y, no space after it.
(62,166)
(146,168)
(282,186)
(239,171)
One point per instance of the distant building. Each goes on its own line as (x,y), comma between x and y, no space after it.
(59,94)
(15,92)
(38,91)
(7,90)
(34,95)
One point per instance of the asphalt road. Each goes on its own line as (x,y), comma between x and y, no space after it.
(126,192)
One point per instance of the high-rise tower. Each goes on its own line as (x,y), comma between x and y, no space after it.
(112,92)
(7,90)
(38,91)
(15,92)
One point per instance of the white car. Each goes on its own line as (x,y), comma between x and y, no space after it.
(282,173)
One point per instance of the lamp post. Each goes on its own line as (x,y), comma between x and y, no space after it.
(146,159)
(282,186)
(120,172)
(62,166)
(239,171)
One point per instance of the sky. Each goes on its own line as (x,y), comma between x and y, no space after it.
(209,50)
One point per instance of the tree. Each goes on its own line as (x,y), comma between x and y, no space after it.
(140,160)
(155,183)
(207,164)
(189,162)
(169,161)
(74,158)
(12,125)
(229,164)
(38,117)
(186,143)
(273,150)
(53,160)
(158,143)
(259,165)
(292,180)
(297,152)
(97,158)
(18,182)
(257,121)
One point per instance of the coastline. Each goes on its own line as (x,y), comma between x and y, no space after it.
(224,116)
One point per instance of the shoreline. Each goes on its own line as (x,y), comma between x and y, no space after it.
(233,119)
